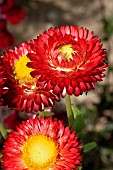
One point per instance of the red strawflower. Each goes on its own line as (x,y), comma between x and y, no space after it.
(42,144)
(1,79)
(69,60)
(2,82)
(11,11)
(23,94)
(12,120)
(3,24)
(6,38)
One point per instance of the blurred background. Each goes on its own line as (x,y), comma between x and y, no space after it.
(97,106)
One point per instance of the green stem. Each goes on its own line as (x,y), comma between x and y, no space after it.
(69,111)
(3,131)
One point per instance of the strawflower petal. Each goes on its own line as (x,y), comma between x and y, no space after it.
(2,82)
(70,59)
(42,144)
(24,92)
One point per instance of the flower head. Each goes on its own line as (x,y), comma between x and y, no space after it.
(23,93)
(1,79)
(2,82)
(11,11)
(42,144)
(6,38)
(70,60)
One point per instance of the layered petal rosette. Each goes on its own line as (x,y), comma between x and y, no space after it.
(69,60)
(42,144)
(23,92)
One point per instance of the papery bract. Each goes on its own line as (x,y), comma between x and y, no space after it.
(68,60)
(42,144)
(23,92)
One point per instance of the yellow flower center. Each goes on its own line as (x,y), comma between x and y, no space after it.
(39,152)
(22,72)
(67,50)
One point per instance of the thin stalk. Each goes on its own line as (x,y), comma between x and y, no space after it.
(69,111)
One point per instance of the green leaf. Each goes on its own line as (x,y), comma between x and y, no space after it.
(0,160)
(79,119)
(45,113)
(3,131)
(79,123)
(108,27)
(89,146)
(0,154)
(79,167)
(75,110)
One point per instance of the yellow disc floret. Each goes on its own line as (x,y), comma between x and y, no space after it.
(21,71)
(39,152)
(67,50)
